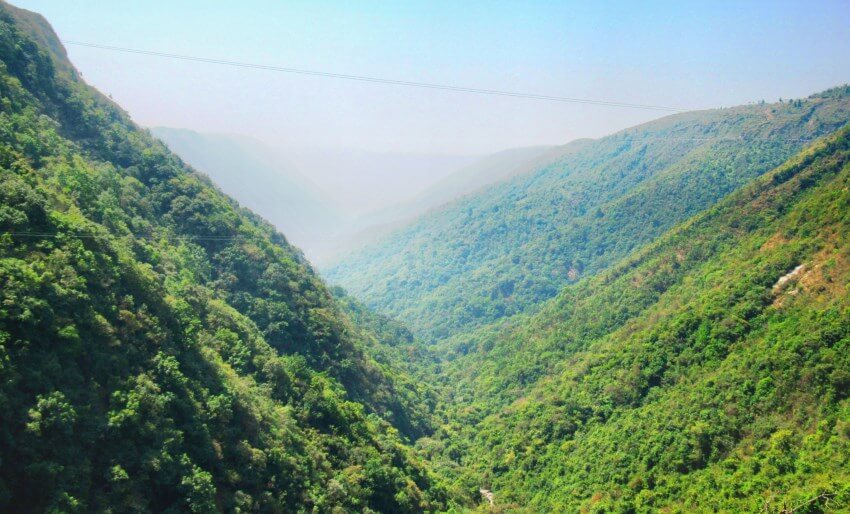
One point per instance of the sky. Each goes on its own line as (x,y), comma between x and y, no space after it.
(688,55)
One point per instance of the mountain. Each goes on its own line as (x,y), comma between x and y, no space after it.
(655,321)
(487,170)
(255,175)
(362,182)
(163,349)
(504,249)
(312,210)
(706,372)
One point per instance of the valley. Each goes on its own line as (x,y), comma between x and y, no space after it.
(656,320)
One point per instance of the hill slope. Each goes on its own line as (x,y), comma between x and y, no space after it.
(161,348)
(375,226)
(707,372)
(253,175)
(505,249)
(481,173)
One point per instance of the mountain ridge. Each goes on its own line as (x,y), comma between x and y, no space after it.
(658,320)
(684,372)
(162,348)
(506,248)
(252,173)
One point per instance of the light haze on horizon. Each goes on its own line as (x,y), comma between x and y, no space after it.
(660,53)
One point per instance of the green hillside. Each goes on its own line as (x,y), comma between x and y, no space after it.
(655,321)
(468,179)
(505,249)
(252,173)
(161,348)
(708,372)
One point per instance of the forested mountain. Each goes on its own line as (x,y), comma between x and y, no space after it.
(483,172)
(655,321)
(707,372)
(257,178)
(161,348)
(261,179)
(505,249)
(363,182)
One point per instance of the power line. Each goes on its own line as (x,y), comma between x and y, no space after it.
(377,80)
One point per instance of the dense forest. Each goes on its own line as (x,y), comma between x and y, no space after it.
(707,372)
(508,247)
(162,348)
(253,175)
(655,321)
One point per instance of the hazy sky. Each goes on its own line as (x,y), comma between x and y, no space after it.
(679,54)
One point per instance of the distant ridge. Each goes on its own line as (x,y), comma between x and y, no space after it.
(256,176)
(163,349)
(505,248)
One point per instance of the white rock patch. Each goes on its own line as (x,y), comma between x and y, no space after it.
(785,278)
(487,494)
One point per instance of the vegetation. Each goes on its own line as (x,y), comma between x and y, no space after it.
(162,349)
(252,174)
(507,248)
(707,372)
(482,172)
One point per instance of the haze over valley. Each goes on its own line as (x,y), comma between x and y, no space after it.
(419,257)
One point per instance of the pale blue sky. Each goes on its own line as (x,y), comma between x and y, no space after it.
(681,54)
